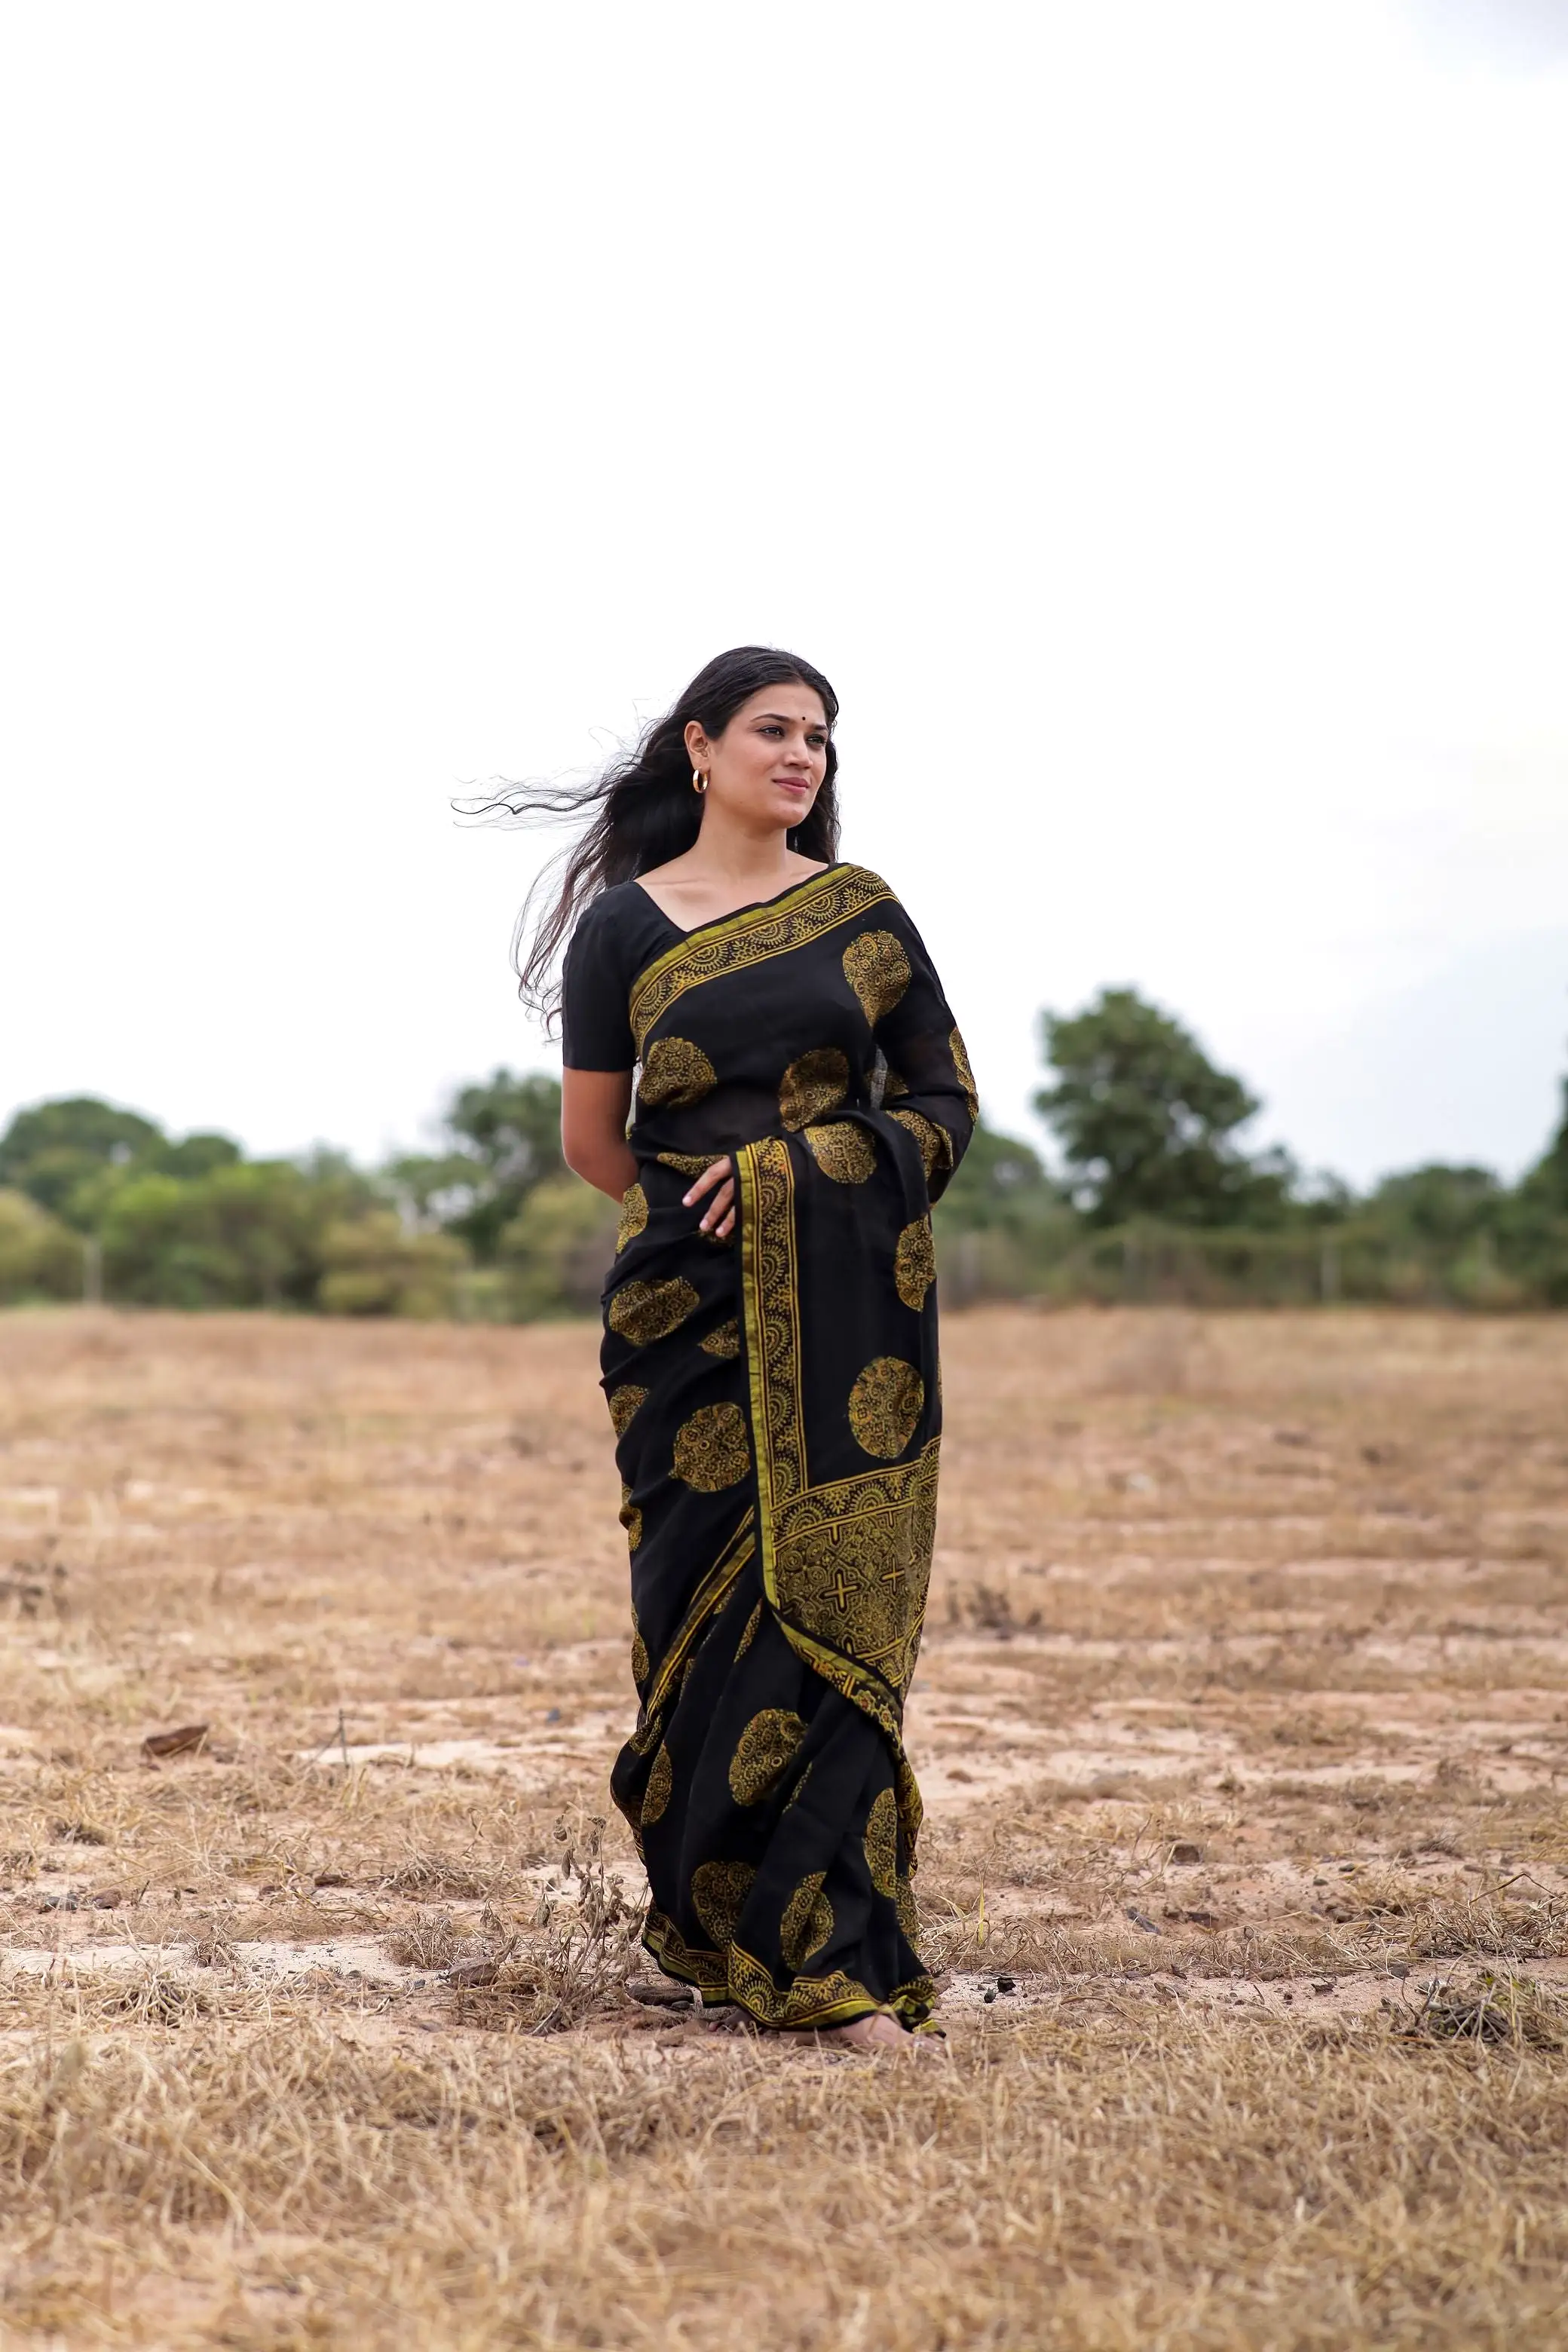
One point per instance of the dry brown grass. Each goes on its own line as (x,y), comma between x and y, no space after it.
(1240,1720)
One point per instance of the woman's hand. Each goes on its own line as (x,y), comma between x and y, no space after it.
(718,1218)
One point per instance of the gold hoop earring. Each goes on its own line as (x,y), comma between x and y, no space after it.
(699,783)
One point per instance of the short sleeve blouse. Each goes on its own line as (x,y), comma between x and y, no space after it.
(617,935)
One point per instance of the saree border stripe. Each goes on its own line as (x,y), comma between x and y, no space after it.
(705,1601)
(732,1976)
(850,1539)
(757,934)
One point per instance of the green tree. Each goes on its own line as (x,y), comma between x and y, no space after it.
(504,1140)
(374,1266)
(40,1256)
(558,1249)
(55,1152)
(1148,1125)
(997,1181)
(245,1235)
(1438,1207)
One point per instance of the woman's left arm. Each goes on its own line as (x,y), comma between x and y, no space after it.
(930,1087)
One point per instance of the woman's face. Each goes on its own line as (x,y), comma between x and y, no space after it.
(768,765)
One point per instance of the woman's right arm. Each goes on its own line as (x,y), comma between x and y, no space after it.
(593,1108)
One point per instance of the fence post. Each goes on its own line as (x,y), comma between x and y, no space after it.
(1328,1271)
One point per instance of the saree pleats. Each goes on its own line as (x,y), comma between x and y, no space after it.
(777,1411)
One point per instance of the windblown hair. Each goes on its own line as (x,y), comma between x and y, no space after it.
(641,811)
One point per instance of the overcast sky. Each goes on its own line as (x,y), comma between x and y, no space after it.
(1151,418)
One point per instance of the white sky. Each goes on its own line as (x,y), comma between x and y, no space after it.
(1151,418)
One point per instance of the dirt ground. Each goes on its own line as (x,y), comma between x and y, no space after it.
(1239,1721)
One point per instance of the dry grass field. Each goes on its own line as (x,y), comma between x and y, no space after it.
(1241,1719)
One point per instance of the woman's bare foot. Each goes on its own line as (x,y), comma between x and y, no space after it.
(878,2031)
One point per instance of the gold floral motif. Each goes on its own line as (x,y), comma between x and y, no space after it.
(713,1450)
(675,1074)
(882,1842)
(936,1143)
(884,1406)
(813,2000)
(631,1517)
(738,942)
(640,1652)
(807,1921)
(718,1892)
(633,1216)
(763,1754)
(914,1263)
(965,1075)
(878,969)
(660,1786)
(725,1341)
(623,1402)
(842,1150)
(750,1635)
(812,1086)
(688,1164)
(643,1312)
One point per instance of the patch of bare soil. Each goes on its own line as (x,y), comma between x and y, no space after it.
(1239,1721)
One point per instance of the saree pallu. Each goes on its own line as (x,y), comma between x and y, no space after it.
(777,1409)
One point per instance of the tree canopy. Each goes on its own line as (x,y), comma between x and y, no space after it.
(1146,1123)
(503,1138)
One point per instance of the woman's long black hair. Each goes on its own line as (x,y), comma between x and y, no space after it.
(642,811)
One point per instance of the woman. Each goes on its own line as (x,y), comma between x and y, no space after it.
(770,1354)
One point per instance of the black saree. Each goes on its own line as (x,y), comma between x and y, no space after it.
(777,1411)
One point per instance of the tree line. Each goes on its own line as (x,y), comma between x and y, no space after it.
(1155,1196)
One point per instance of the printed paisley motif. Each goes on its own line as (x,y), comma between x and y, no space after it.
(763,1754)
(936,1143)
(884,1406)
(676,1074)
(643,1312)
(914,1263)
(631,1518)
(640,1652)
(725,1341)
(882,1843)
(812,1086)
(718,1892)
(842,1150)
(807,1921)
(623,1402)
(965,1075)
(713,1450)
(750,1635)
(633,1216)
(878,969)
(660,1789)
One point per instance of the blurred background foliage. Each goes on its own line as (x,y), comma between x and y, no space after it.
(1154,1197)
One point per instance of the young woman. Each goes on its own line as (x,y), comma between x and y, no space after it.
(770,1354)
